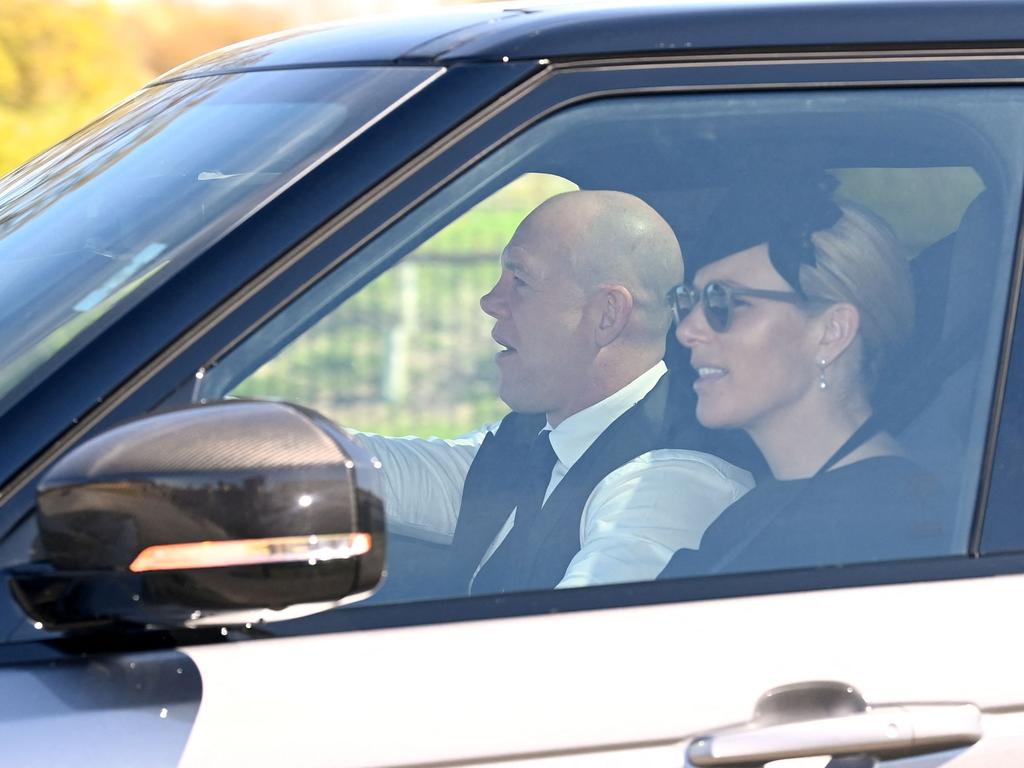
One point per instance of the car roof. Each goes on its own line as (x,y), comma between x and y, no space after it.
(495,33)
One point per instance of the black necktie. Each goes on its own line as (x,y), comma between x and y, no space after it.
(499,572)
(540,461)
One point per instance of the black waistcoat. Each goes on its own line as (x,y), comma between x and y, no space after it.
(493,481)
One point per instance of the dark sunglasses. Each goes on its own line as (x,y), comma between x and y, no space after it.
(719,300)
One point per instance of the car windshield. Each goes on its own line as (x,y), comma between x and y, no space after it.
(89,227)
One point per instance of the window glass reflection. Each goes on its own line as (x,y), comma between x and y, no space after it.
(138,193)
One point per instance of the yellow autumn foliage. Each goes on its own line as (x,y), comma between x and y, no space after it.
(63,62)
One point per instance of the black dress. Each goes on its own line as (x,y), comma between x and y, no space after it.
(882,508)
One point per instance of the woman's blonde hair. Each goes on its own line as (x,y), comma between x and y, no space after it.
(860,261)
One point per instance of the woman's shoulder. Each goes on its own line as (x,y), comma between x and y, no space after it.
(881,476)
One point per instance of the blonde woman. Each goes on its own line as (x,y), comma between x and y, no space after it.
(790,323)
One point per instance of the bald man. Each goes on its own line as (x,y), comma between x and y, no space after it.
(580,315)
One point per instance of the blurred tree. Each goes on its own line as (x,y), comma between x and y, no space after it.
(62,62)
(52,51)
(171,33)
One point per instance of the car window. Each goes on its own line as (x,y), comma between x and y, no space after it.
(68,209)
(832,353)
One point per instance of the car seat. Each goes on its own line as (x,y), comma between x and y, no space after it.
(939,396)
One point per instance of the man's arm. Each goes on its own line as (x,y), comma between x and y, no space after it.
(423,479)
(645,510)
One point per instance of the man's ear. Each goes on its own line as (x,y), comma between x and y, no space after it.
(614,310)
(840,324)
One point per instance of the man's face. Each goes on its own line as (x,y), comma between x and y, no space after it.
(541,322)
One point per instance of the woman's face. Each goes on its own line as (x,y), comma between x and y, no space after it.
(762,371)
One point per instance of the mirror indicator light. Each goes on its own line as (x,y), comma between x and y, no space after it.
(280,549)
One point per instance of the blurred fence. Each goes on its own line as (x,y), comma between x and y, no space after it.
(410,354)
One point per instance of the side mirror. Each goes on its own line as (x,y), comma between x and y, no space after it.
(230,512)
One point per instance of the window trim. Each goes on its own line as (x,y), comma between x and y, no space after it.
(357,618)
(1003,373)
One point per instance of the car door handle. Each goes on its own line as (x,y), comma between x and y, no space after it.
(786,731)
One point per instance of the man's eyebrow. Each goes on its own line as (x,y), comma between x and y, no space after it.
(512,264)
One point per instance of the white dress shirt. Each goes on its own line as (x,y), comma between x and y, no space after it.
(633,521)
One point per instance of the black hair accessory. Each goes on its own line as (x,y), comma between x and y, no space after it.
(781,209)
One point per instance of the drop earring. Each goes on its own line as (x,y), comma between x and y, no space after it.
(822,383)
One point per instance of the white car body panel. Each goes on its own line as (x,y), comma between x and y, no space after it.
(612,687)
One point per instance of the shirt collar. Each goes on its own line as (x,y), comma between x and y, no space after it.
(576,434)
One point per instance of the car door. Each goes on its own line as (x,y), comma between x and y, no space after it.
(907,658)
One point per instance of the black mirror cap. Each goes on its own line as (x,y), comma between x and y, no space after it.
(232,511)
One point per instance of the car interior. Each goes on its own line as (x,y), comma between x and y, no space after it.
(928,163)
